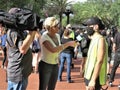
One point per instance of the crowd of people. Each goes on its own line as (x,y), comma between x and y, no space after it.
(46,51)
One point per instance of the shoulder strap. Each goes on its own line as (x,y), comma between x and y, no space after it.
(9,39)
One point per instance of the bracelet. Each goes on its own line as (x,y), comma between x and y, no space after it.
(62,47)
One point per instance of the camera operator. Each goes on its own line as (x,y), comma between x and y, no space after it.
(95,66)
(19,56)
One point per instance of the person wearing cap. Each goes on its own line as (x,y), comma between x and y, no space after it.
(116,51)
(96,63)
(19,55)
(50,49)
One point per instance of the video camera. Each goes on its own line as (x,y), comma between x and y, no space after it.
(21,19)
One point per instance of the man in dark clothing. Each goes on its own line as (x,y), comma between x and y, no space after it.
(116,49)
(19,57)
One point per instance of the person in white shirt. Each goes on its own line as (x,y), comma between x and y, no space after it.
(50,49)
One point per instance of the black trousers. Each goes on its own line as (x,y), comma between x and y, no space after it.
(115,66)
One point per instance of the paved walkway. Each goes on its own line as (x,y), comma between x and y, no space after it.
(63,85)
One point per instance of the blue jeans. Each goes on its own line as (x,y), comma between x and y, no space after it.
(68,58)
(48,74)
(22,85)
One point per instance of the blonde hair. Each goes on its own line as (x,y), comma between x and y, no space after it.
(50,22)
(66,32)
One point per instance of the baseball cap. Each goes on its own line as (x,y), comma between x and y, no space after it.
(93,21)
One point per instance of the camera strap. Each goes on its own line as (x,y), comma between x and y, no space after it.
(9,39)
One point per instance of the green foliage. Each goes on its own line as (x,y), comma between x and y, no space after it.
(35,5)
(56,7)
(107,10)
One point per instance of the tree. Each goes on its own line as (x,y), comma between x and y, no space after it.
(35,5)
(107,10)
(56,7)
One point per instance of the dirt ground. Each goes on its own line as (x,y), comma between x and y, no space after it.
(63,85)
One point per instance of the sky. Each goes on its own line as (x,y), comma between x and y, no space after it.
(77,0)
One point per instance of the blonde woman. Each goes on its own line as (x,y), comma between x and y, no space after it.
(50,49)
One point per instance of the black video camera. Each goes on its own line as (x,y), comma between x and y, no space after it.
(22,19)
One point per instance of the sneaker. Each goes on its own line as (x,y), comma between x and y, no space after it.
(110,84)
(69,81)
